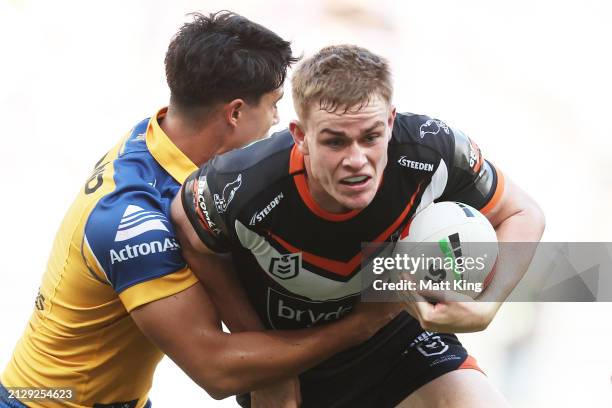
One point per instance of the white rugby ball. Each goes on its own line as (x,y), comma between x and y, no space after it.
(456,245)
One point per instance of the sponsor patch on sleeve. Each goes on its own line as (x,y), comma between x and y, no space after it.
(132,243)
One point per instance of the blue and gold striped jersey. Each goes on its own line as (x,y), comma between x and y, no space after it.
(114,251)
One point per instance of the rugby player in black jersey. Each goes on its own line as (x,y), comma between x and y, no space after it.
(293,210)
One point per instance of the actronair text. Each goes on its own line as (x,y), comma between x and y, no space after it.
(146,248)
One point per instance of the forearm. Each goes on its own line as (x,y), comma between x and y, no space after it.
(242,362)
(224,288)
(232,302)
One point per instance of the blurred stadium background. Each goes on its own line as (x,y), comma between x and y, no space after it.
(529,80)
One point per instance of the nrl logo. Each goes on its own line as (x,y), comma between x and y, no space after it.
(434,346)
(287,266)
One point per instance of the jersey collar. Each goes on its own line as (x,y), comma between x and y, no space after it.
(170,157)
(298,170)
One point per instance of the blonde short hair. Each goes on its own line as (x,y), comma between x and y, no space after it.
(340,77)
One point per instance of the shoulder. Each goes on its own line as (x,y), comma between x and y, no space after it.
(220,191)
(421,142)
(263,153)
(127,237)
(238,176)
(433,134)
(411,128)
(130,236)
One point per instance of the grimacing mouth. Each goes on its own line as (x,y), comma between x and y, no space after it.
(355,180)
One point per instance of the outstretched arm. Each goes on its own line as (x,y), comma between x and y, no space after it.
(186,327)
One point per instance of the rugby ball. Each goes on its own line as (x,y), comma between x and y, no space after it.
(450,246)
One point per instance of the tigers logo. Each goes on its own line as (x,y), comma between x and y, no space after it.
(433,127)
(229,191)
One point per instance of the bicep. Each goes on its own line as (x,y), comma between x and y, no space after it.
(512,201)
(196,214)
(186,233)
(505,206)
(216,271)
(177,323)
(471,179)
(210,267)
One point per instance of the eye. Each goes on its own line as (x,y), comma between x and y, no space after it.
(371,138)
(333,143)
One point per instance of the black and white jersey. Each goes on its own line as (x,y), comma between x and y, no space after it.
(300,264)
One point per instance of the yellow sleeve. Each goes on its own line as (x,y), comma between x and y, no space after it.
(159,288)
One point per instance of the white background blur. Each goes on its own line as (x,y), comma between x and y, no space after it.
(529,80)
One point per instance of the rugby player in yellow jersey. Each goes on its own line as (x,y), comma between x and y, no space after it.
(117,294)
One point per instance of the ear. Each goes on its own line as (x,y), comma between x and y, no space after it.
(391,119)
(299,136)
(232,112)
(392,114)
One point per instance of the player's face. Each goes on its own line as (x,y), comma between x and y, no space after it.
(346,154)
(256,119)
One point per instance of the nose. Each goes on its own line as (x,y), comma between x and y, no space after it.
(355,158)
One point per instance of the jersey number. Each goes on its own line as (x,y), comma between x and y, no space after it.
(95,181)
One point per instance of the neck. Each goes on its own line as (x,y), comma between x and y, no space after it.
(199,142)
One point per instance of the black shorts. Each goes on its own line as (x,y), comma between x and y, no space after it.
(384,370)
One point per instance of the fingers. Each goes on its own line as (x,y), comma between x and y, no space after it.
(436,316)
(418,307)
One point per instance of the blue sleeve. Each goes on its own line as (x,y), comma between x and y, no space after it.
(132,239)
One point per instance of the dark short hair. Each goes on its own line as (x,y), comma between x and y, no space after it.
(224,56)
